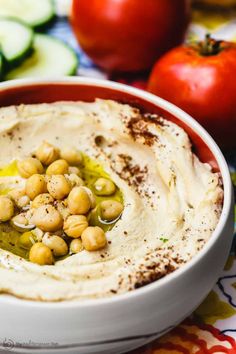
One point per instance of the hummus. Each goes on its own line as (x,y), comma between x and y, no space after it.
(172,201)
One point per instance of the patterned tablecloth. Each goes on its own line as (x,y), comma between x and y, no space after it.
(212,328)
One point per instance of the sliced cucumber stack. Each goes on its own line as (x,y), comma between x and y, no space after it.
(51,57)
(36,13)
(16,40)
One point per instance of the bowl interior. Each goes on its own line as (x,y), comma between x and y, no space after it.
(73,91)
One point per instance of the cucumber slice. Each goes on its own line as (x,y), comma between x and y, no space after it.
(51,57)
(33,12)
(15,40)
(1,67)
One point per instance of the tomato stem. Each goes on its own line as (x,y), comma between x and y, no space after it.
(210,46)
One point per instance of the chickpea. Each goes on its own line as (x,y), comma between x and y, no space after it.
(94,217)
(104,186)
(6,208)
(74,170)
(37,234)
(47,153)
(72,156)
(21,223)
(74,225)
(91,196)
(62,207)
(56,244)
(58,187)
(23,202)
(18,196)
(26,240)
(93,238)
(42,199)
(110,209)
(75,180)
(29,215)
(19,219)
(35,185)
(58,167)
(29,167)
(76,246)
(16,193)
(79,201)
(47,218)
(41,254)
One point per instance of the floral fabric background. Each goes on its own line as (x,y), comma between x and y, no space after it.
(212,328)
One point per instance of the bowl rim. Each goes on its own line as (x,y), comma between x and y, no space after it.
(189,121)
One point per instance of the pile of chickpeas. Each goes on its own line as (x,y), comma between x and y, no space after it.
(51,212)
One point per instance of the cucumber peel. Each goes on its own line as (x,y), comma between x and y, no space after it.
(51,57)
(16,41)
(1,67)
(35,13)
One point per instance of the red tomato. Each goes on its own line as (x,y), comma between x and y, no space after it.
(128,35)
(200,79)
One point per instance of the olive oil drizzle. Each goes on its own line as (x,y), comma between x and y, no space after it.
(91,171)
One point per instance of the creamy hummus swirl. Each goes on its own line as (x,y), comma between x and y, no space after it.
(172,200)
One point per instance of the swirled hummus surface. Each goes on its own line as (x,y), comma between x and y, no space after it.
(172,201)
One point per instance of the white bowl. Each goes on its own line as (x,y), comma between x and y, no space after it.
(123,322)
